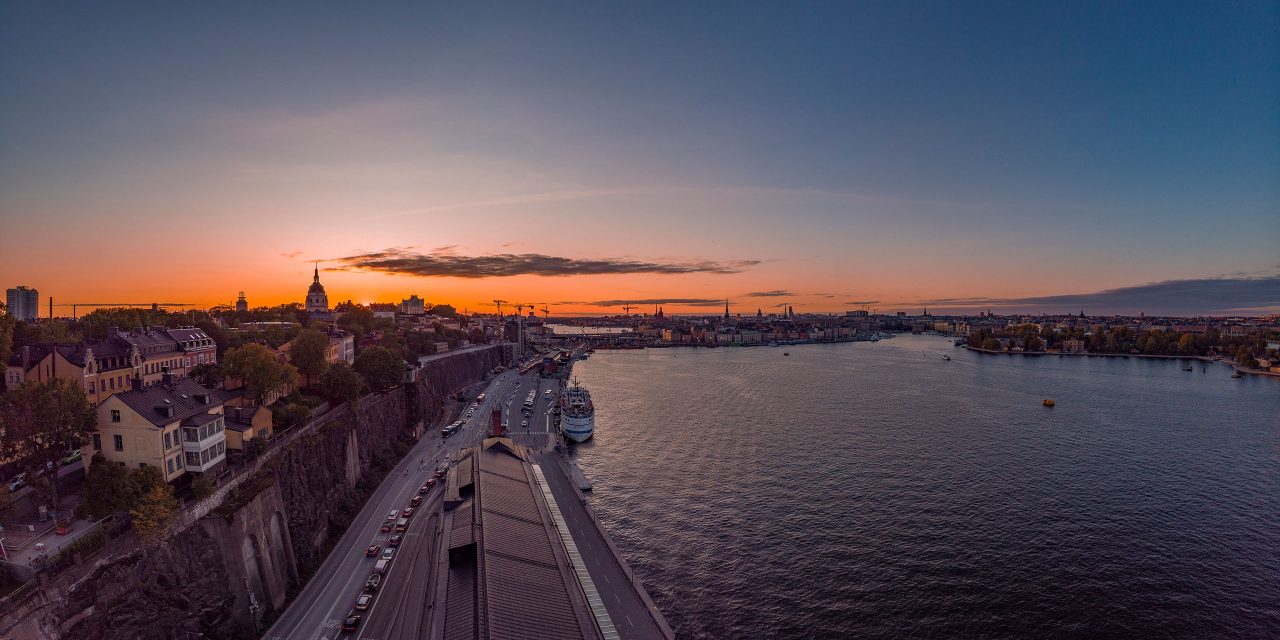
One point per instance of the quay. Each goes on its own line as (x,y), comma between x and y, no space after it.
(503,544)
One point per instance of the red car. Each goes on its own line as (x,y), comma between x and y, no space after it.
(423,489)
(438,474)
(386,528)
(372,551)
(430,483)
(395,540)
(408,512)
(417,500)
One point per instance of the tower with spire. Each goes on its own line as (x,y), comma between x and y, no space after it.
(317,299)
(726,309)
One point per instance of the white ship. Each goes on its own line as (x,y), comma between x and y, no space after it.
(577,414)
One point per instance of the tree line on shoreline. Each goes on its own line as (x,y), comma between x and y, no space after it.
(1243,349)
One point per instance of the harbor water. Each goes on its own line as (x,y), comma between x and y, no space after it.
(874,490)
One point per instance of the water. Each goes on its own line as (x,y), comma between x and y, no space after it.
(873,490)
(568,330)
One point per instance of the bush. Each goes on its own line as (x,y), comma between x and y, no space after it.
(201,487)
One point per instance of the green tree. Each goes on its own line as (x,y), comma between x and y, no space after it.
(358,319)
(154,513)
(6,340)
(309,353)
(380,368)
(41,422)
(201,487)
(444,311)
(259,370)
(107,488)
(208,375)
(341,383)
(1186,344)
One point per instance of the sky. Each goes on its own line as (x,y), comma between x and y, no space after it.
(1023,156)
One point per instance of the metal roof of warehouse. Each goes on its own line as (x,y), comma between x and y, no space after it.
(519,583)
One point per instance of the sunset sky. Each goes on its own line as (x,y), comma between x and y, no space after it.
(1022,156)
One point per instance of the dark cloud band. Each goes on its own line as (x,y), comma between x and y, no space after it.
(449,265)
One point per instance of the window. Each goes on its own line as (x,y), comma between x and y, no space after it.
(91,390)
(170,463)
(191,435)
(113,383)
(166,442)
(193,459)
(178,462)
(115,415)
(97,442)
(119,442)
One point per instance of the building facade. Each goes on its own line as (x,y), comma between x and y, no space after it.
(23,303)
(177,426)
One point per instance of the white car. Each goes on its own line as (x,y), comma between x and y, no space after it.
(524,423)
(395,513)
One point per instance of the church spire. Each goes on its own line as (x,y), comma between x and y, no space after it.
(317,276)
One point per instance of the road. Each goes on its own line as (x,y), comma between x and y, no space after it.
(318,611)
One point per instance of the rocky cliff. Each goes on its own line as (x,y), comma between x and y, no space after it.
(231,572)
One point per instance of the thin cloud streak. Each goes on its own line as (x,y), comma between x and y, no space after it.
(776,293)
(1169,297)
(447,264)
(688,302)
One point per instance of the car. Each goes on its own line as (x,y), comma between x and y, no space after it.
(437,474)
(363,602)
(395,540)
(424,488)
(415,501)
(431,482)
(385,528)
(372,550)
(395,513)
(19,481)
(350,624)
(388,553)
(72,457)
(524,423)
(408,512)
(373,582)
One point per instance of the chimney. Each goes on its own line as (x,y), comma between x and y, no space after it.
(497,423)
(135,382)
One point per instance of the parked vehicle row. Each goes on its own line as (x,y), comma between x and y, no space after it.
(396,525)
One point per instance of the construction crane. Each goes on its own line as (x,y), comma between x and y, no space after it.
(626,308)
(499,303)
(546,313)
(155,306)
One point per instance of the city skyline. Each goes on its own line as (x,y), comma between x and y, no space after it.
(629,154)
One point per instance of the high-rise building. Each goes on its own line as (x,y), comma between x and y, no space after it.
(23,303)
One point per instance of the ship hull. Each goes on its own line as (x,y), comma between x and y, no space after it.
(578,428)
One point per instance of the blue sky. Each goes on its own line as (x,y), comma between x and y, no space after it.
(892,151)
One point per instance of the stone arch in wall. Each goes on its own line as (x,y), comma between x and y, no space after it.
(281,548)
(255,573)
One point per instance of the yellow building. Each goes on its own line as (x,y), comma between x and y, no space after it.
(245,424)
(176,425)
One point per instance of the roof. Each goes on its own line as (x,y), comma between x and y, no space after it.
(502,547)
(241,418)
(180,395)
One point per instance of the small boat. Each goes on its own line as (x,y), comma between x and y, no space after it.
(946,357)
(772,343)
(786,353)
(1188,368)
(1236,374)
(1048,402)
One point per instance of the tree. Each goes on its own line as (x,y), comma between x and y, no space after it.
(7,323)
(154,513)
(380,368)
(201,487)
(107,489)
(341,383)
(209,375)
(259,370)
(359,320)
(41,422)
(309,353)
(444,311)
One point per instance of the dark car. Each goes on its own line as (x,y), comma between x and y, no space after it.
(386,528)
(349,625)
(372,550)
(417,500)
(408,512)
(373,582)
(423,489)
(430,483)
(395,540)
